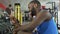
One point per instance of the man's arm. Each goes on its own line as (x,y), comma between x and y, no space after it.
(21,32)
(42,16)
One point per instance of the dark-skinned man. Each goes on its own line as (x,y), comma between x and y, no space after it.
(42,22)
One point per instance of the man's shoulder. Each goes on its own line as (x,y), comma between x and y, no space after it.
(7,9)
(45,13)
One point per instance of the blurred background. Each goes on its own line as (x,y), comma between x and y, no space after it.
(51,5)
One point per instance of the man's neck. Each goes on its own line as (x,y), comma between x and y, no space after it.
(37,11)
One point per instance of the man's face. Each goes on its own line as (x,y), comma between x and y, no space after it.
(32,6)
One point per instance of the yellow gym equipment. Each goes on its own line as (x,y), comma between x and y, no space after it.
(17,13)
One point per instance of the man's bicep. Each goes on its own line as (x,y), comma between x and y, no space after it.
(40,18)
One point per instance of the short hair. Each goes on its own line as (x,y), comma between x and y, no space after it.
(37,2)
(9,5)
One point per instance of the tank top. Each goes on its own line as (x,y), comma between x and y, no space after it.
(47,27)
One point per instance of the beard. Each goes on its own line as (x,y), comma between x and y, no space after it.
(33,12)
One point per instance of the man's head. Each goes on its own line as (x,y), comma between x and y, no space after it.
(10,6)
(34,5)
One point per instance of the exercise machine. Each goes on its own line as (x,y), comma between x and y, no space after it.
(17,13)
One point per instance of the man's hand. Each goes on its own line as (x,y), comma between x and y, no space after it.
(15,31)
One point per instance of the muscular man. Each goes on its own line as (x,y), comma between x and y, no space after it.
(42,23)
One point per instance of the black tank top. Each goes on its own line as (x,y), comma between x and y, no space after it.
(8,11)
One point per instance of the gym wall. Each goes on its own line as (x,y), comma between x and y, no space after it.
(24,3)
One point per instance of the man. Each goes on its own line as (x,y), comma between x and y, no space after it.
(9,9)
(42,23)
